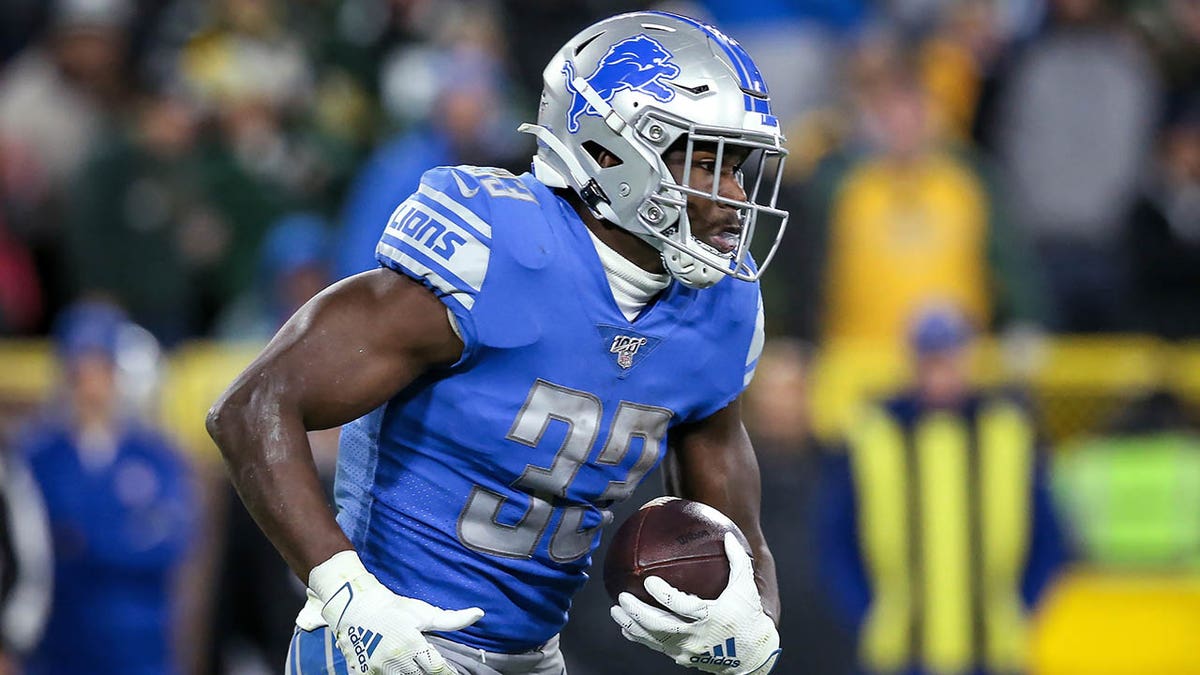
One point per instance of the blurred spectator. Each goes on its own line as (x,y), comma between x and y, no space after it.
(778,416)
(57,97)
(937,532)
(910,220)
(122,509)
(20,21)
(467,122)
(1132,494)
(294,266)
(1173,28)
(246,65)
(20,289)
(967,39)
(25,562)
(242,51)
(122,226)
(54,97)
(1073,128)
(1163,232)
(288,84)
(166,221)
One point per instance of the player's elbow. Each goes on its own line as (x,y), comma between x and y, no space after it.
(216,421)
(219,422)
(229,419)
(248,417)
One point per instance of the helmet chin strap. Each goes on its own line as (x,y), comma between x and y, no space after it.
(689,271)
(682,265)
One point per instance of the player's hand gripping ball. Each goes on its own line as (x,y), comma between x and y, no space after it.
(683,580)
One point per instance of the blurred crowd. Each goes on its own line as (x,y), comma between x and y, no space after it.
(958,167)
(1036,161)
(149,149)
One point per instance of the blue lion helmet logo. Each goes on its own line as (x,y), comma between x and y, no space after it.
(639,63)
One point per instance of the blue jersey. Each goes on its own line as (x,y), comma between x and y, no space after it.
(486,484)
(120,531)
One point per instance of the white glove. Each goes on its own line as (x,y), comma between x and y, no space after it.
(379,632)
(730,635)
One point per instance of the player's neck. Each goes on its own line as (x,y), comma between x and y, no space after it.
(625,243)
(628,245)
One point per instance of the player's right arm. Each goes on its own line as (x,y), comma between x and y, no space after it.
(343,354)
(346,352)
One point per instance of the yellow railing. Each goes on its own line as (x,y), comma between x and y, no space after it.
(192,378)
(1077,383)
(1105,623)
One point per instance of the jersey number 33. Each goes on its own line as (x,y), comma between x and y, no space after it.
(581,412)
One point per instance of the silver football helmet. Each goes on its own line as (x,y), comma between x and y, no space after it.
(634,85)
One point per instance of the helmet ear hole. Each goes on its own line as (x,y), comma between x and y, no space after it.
(604,157)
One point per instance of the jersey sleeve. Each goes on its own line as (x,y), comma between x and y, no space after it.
(756,345)
(739,344)
(441,236)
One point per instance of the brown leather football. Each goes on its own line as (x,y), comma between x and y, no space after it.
(680,540)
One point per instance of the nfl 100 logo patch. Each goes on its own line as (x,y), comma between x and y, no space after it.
(625,346)
(630,347)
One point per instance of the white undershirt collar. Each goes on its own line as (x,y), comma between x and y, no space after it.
(632,287)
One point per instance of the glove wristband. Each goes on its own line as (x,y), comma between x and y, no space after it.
(325,579)
(768,665)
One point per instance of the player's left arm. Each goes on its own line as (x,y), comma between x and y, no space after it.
(712,461)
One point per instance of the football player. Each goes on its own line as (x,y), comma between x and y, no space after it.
(530,348)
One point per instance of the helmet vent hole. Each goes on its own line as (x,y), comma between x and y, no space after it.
(604,157)
(583,45)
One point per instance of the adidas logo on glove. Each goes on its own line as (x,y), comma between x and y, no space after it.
(720,655)
(364,642)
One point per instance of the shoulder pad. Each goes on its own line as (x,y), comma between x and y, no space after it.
(442,235)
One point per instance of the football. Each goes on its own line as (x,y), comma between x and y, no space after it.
(679,540)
